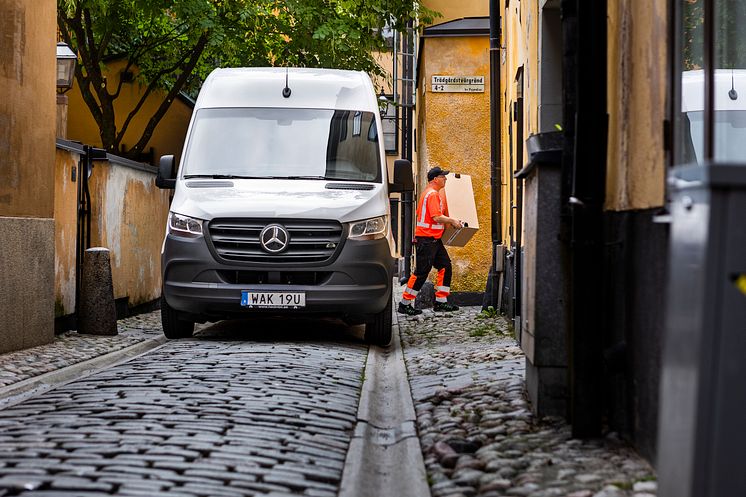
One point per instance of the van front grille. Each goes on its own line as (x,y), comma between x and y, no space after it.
(238,240)
(304,278)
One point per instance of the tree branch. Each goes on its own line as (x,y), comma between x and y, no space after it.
(150,89)
(178,85)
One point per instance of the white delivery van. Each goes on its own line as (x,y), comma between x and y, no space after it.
(730,115)
(281,203)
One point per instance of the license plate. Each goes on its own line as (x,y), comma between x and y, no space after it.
(276,300)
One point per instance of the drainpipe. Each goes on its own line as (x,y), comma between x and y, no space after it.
(83,238)
(496,269)
(407,117)
(584,166)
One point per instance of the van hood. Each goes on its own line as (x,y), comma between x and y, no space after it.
(271,198)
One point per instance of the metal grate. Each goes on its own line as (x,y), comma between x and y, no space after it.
(348,186)
(237,240)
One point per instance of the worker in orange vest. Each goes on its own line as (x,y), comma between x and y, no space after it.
(429,249)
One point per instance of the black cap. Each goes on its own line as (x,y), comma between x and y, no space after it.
(435,172)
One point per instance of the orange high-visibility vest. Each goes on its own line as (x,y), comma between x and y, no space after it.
(430,205)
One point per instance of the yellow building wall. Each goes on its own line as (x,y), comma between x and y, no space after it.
(129,218)
(454,133)
(452,9)
(531,66)
(168,137)
(27,108)
(637,79)
(27,133)
(65,232)
(519,56)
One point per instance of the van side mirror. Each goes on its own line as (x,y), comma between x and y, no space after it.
(165,167)
(403,177)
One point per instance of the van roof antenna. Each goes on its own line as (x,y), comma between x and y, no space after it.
(286,91)
(733,94)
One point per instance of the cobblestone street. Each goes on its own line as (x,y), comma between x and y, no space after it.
(476,428)
(215,416)
(243,411)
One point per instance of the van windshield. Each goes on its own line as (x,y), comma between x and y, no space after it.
(284,143)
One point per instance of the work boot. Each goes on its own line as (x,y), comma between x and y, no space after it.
(445,307)
(409,310)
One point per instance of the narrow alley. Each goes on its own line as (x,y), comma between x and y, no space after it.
(261,408)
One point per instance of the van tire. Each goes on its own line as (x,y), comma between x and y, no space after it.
(378,331)
(173,325)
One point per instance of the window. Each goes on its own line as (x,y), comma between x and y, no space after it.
(284,143)
(356,122)
(710,94)
(389,120)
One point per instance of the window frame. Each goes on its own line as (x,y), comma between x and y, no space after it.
(394,120)
(677,67)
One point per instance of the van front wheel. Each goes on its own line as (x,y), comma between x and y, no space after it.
(378,331)
(173,325)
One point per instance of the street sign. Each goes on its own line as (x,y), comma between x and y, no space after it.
(457,84)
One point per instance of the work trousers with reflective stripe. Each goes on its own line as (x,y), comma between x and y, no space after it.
(430,253)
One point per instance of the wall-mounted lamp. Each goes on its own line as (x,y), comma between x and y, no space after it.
(383,104)
(66,60)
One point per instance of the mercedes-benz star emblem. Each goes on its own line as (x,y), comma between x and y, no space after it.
(274,238)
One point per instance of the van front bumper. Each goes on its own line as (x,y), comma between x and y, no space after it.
(356,283)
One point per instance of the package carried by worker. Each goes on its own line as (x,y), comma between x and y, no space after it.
(458,203)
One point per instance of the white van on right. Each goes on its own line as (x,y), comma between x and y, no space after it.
(730,115)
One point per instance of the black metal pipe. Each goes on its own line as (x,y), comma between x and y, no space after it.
(83,235)
(79,231)
(709,63)
(518,210)
(87,202)
(584,29)
(493,280)
(407,118)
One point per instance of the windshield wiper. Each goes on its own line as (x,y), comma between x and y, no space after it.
(220,176)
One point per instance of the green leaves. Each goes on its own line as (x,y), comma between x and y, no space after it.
(174,44)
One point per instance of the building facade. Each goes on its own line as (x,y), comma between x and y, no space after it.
(27,133)
(580,258)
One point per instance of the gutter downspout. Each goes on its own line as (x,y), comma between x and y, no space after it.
(584,167)
(407,198)
(496,269)
(83,232)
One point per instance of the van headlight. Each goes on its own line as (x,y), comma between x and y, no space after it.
(369,229)
(185,226)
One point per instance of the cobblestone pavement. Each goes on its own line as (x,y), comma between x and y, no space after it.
(71,348)
(237,411)
(478,435)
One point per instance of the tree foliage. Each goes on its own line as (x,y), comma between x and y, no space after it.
(174,44)
(729,38)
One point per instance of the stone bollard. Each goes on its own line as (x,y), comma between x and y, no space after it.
(426,297)
(97,312)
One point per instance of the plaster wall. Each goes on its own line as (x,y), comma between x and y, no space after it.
(168,137)
(450,10)
(638,72)
(454,133)
(129,218)
(27,107)
(521,31)
(65,232)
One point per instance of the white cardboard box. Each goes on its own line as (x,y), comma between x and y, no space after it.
(458,202)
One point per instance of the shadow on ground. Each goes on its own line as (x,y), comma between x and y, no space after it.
(282,329)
